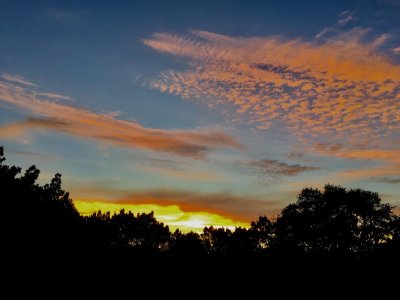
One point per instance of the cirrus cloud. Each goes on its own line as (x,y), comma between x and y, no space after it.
(49,114)
(277,168)
(17,79)
(392,180)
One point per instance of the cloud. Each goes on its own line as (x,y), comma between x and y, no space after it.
(367,172)
(295,155)
(185,175)
(396,50)
(19,131)
(325,31)
(345,17)
(274,168)
(54,96)
(376,163)
(298,156)
(222,203)
(390,156)
(107,128)
(29,154)
(342,89)
(393,180)
(17,79)
(26,153)
(326,147)
(162,163)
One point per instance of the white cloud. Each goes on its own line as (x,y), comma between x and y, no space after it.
(346,17)
(17,79)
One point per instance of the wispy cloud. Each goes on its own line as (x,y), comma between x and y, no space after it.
(328,147)
(396,50)
(185,175)
(20,130)
(392,180)
(376,163)
(346,17)
(26,153)
(342,88)
(17,79)
(30,154)
(325,31)
(390,156)
(274,168)
(298,156)
(163,163)
(366,173)
(106,127)
(55,96)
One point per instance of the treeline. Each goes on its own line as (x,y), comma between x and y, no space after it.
(333,223)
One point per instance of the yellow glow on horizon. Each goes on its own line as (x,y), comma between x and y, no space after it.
(170,215)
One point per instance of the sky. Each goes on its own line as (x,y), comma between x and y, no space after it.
(205,112)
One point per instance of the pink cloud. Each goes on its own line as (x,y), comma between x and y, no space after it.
(342,88)
(106,128)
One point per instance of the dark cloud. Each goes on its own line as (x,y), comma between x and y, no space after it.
(325,147)
(393,180)
(299,156)
(275,168)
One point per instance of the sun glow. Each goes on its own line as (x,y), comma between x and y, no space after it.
(170,215)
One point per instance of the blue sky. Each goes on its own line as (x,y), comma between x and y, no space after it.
(225,107)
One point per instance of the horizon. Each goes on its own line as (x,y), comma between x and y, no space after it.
(210,113)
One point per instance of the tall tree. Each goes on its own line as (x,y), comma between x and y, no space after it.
(334,222)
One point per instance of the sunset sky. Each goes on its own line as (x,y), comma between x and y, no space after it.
(206,112)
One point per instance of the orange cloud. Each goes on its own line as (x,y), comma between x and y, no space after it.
(391,156)
(380,162)
(358,174)
(234,207)
(106,127)
(342,87)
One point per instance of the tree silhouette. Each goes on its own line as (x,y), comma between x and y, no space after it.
(262,231)
(142,232)
(335,222)
(189,245)
(36,216)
